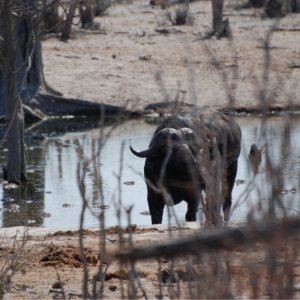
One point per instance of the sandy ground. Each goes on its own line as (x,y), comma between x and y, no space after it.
(131,64)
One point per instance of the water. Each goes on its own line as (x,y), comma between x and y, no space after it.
(114,179)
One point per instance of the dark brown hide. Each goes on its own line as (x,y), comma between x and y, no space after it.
(173,160)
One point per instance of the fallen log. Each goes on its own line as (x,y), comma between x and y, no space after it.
(53,105)
(223,239)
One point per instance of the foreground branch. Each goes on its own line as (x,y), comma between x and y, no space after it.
(224,239)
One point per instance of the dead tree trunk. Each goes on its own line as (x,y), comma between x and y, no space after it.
(12,83)
(21,76)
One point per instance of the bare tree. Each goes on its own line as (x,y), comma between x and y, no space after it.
(12,80)
(50,16)
(21,77)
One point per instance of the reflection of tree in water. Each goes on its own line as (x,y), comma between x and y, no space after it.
(96,175)
(89,150)
(86,150)
(59,159)
(24,205)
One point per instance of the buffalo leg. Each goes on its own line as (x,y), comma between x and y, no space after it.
(156,207)
(228,187)
(191,214)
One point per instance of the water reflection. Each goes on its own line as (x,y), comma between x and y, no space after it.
(283,152)
(114,180)
(25,205)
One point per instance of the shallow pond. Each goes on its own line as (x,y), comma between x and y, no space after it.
(113,178)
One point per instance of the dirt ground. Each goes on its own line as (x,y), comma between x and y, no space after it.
(51,265)
(54,257)
(130,62)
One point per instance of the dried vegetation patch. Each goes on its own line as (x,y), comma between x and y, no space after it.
(58,256)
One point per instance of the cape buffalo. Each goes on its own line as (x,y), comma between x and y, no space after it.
(174,156)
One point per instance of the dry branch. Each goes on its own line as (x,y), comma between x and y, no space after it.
(224,239)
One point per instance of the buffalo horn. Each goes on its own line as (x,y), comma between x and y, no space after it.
(159,140)
(141,154)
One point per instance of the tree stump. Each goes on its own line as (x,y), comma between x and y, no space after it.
(86,14)
(224,30)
